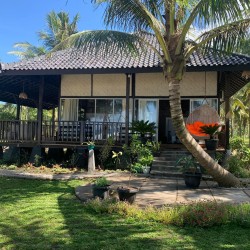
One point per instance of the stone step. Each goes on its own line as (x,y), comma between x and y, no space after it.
(164,162)
(167,158)
(166,173)
(165,168)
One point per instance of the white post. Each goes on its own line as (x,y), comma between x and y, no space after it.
(91,161)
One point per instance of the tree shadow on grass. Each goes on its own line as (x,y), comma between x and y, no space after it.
(46,215)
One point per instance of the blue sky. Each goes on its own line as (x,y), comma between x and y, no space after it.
(20,20)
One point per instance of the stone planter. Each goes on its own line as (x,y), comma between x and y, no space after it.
(127,194)
(101,192)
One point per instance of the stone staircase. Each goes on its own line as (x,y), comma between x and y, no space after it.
(165,164)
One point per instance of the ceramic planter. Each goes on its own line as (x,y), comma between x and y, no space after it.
(192,180)
(146,169)
(211,144)
(90,147)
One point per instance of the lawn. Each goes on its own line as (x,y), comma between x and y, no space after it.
(46,215)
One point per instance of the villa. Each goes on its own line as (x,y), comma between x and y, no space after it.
(98,96)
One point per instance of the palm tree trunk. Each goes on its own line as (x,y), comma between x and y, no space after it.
(222,176)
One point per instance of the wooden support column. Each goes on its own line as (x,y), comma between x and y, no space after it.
(227,122)
(40,111)
(53,122)
(133,96)
(128,76)
(227,109)
(18,109)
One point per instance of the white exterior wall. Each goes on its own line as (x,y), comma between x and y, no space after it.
(109,85)
(193,84)
(76,85)
(147,84)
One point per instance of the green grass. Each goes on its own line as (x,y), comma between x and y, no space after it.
(46,215)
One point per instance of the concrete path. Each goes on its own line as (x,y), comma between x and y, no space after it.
(152,191)
(165,191)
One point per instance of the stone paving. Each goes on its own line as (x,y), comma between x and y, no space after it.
(152,191)
(165,191)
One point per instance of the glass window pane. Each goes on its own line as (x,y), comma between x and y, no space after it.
(119,110)
(86,110)
(104,110)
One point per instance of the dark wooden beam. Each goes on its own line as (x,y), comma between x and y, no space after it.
(18,109)
(40,110)
(227,109)
(133,95)
(128,76)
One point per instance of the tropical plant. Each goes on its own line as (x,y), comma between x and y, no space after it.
(102,182)
(59,28)
(223,25)
(143,127)
(105,151)
(188,164)
(210,129)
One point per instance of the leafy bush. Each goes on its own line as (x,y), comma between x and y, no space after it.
(101,182)
(236,143)
(204,214)
(198,214)
(137,168)
(238,167)
(105,151)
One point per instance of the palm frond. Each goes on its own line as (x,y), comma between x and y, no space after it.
(224,39)
(103,41)
(135,16)
(209,14)
(213,13)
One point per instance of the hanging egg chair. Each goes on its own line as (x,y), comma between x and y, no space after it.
(201,116)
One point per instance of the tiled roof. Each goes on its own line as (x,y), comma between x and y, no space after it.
(72,59)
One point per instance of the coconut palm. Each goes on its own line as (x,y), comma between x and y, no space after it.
(25,50)
(224,25)
(59,28)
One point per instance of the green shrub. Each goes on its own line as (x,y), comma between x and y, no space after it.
(197,214)
(101,182)
(204,214)
(240,215)
(236,143)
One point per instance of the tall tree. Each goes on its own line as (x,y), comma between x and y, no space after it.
(58,29)
(224,24)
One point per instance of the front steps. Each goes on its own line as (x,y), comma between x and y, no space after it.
(165,164)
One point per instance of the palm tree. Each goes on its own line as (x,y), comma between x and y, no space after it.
(26,50)
(59,28)
(224,26)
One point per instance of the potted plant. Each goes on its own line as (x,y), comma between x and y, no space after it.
(145,128)
(191,170)
(100,188)
(125,193)
(91,145)
(211,130)
(146,162)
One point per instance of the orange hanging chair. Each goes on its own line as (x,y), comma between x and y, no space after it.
(201,116)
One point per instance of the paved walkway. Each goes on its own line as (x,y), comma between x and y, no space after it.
(166,191)
(152,191)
